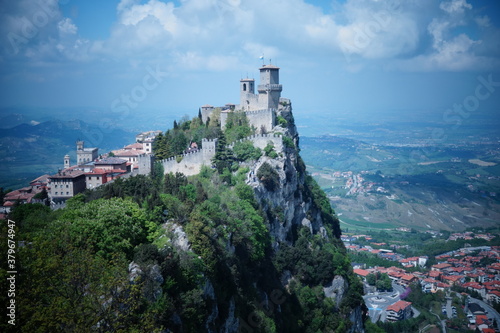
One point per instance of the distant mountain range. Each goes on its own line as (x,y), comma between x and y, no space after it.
(29,149)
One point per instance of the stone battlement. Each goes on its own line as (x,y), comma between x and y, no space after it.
(190,163)
(254,112)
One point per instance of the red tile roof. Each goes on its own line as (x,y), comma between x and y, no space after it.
(398,306)
(361,272)
(441,266)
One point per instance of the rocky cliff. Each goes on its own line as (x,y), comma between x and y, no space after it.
(250,245)
(302,281)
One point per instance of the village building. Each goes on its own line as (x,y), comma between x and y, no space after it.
(400,310)
(113,164)
(66,184)
(85,155)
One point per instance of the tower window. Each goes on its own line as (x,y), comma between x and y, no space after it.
(244,87)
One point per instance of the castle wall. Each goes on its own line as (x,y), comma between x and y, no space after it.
(145,164)
(257,118)
(262,119)
(223,119)
(206,112)
(191,163)
(249,101)
(262,140)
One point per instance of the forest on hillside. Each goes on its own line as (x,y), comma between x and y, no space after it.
(161,253)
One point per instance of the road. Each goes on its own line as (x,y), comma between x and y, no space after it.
(449,310)
(443,322)
(492,313)
(377,302)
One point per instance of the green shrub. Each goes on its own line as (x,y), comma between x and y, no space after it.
(269,150)
(281,121)
(268,176)
(245,150)
(288,142)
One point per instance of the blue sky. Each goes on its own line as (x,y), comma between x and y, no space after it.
(359,56)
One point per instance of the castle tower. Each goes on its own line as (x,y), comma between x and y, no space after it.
(247,94)
(66,161)
(208,147)
(85,155)
(269,88)
(79,145)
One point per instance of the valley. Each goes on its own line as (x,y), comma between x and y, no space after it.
(390,182)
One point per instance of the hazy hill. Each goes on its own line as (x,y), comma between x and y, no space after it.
(28,151)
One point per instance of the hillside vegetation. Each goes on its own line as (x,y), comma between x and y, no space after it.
(217,252)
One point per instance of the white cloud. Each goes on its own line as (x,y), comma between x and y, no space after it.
(154,9)
(66,27)
(225,34)
(455,6)
(483,21)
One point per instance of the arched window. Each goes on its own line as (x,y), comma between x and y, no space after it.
(244,87)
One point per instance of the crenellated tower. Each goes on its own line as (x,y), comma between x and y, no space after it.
(260,107)
(269,88)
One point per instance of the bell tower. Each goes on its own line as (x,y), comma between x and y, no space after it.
(247,94)
(66,161)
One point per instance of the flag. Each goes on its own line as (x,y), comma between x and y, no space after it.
(261,57)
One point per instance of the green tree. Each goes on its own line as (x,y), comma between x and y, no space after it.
(268,176)
(371,279)
(66,288)
(108,226)
(269,150)
(245,150)
(223,158)
(237,126)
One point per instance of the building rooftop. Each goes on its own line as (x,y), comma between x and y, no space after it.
(67,174)
(111,160)
(361,272)
(42,179)
(128,153)
(269,67)
(398,306)
(134,146)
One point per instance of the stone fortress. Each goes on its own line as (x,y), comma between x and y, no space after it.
(91,171)
(261,110)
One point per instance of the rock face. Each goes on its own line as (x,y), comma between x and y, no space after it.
(244,294)
(293,207)
(150,275)
(288,198)
(336,289)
